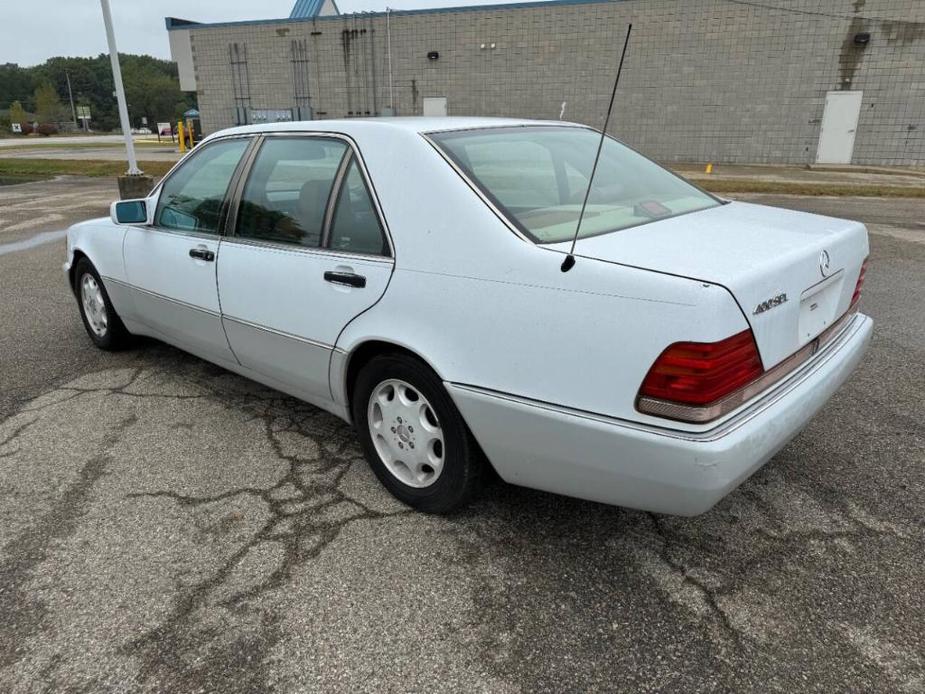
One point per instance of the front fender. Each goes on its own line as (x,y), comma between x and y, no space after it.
(101,242)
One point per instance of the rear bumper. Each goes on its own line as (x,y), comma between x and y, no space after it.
(627,464)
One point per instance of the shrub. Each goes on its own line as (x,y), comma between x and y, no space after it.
(26,128)
(46,129)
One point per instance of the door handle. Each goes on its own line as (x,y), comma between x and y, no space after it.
(349,278)
(202,254)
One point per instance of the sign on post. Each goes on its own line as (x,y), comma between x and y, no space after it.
(83,115)
(164,130)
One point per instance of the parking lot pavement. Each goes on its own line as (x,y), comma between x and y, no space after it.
(168,526)
(52,205)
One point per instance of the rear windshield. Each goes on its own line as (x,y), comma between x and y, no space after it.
(537,176)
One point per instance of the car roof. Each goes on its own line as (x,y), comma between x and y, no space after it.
(414,124)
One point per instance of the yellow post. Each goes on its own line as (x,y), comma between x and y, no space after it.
(181,136)
(709,168)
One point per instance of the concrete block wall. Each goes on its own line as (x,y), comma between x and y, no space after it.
(704,80)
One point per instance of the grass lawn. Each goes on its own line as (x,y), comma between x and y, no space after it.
(76,167)
(747,185)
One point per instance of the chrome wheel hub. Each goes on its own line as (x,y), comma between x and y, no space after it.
(406,433)
(91,297)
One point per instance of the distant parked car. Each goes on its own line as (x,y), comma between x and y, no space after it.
(404,274)
(141,131)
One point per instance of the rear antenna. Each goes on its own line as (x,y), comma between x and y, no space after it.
(569,261)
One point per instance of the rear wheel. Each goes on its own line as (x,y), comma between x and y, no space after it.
(413,436)
(100,319)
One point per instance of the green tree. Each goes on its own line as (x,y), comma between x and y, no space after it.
(17,113)
(47,104)
(16,84)
(152,87)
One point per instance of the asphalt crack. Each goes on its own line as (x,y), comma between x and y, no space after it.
(308,512)
(708,595)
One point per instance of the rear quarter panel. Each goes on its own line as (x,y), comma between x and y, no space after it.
(486,308)
(583,340)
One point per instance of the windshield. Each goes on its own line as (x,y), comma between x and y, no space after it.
(537,176)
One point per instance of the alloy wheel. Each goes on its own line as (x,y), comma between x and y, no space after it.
(406,433)
(94,305)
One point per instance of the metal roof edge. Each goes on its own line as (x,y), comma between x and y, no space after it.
(177,23)
(184,24)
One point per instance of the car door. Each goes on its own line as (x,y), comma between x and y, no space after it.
(308,253)
(170,265)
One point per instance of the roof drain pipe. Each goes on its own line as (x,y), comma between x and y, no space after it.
(388,40)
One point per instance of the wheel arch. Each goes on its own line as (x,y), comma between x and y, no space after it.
(360,355)
(76,257)
(344,378)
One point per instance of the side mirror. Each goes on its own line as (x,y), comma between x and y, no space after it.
(128,212)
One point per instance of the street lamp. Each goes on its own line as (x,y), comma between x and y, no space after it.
(133,169)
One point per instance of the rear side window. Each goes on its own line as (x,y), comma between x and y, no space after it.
(355,228)
(287,192)
(192,198)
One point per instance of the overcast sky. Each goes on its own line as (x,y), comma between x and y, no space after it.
(31,32)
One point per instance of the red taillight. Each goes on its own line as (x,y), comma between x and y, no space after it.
(857,288)
(698,373)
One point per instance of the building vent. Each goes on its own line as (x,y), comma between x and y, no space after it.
(301,93)
(240,82)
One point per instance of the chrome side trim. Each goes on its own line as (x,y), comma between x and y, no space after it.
(770,398)
(280,247)
(171,300)
(281,333)
(718,408)
(203,235)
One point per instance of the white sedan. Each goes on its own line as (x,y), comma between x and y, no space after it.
(404,274)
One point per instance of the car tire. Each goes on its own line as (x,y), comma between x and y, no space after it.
(100,319)
(456,467)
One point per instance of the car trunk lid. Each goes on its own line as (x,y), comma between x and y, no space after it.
(792,273)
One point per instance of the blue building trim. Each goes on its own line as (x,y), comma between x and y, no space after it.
(176,23)
(304,9)
(184,24)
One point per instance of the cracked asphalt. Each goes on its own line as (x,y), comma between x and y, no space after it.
(166,526)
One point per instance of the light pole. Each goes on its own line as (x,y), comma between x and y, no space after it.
(70,95)
(133,169)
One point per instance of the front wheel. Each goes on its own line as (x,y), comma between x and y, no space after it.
(99,317)
(413,436)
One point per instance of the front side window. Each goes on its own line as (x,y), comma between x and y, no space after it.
(192,198)
(537,176)
(355,228)
(288,188)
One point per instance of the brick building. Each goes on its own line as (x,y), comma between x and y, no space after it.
(774,81)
